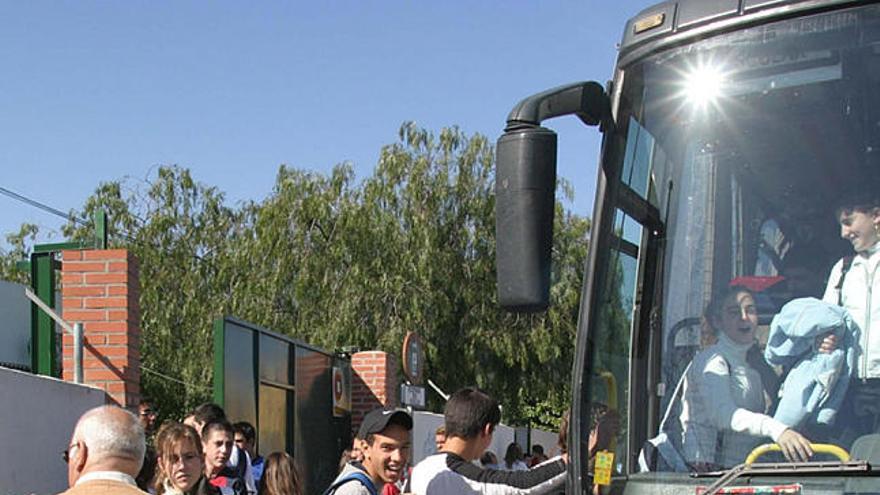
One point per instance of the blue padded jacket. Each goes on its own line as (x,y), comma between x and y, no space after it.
(816,385)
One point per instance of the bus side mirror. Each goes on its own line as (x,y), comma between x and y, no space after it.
(525,188)
(525,198)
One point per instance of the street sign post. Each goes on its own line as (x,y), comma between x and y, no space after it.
(413,358)
(412,395)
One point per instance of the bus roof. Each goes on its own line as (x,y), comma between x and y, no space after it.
(676,22)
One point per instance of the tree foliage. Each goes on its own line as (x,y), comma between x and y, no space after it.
(19,249)
(336,262)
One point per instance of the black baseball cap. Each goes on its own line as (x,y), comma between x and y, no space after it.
(378,419)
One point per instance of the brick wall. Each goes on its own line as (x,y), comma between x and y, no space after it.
(374,383)
(100,289)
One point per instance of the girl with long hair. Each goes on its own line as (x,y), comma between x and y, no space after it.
(280,476)
(180,462)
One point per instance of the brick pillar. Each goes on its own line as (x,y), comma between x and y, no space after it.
(374,383)
(100,289)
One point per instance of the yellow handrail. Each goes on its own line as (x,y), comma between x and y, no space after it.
(610,387)
(818,448)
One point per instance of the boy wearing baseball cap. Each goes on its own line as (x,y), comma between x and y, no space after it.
(384,438)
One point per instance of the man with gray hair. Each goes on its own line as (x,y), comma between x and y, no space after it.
(105,453)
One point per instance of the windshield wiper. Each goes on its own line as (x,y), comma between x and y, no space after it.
(779,468)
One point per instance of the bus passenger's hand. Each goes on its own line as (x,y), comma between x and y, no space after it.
(828,344)
(795,447)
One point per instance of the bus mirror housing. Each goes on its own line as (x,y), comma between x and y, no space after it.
(525,191)
(525,186)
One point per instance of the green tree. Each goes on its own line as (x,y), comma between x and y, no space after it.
(337,262)
(20,245)
(181,233)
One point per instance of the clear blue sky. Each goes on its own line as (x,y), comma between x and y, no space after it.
(96,91)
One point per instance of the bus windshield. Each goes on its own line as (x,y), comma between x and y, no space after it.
(759,150)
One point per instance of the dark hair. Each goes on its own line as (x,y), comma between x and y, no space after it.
(514,453)
(859,200)
(468,411)
(487,458)
(537,449)
(246,429)
(716,304)
(598,411)
(218,425)
(170,435)
(280,476)
(208,412)
(369,439)
(563,432)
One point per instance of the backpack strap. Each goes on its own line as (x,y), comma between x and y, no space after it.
(241,467)
(846,263)
(236,474)
(355,476)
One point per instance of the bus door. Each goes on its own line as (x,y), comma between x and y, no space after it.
(623,338)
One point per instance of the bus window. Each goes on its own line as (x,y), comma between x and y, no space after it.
(612,349)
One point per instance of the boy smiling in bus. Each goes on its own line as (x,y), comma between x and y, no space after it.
(853,285)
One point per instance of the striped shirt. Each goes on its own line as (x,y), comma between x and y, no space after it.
(447,473)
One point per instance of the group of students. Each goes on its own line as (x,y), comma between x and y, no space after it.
(470,417)
(828,351)
(207,455)
(514,458)
(108,448)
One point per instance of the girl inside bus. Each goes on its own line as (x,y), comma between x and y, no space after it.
(723,407)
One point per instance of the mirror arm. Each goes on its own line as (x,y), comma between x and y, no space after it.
(587,100)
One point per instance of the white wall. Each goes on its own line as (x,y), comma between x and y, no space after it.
(504,436)
(37,416)
(424,426)
(15,324)
(426,423)
(547,439)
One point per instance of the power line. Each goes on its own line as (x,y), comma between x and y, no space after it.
(42,206)
(55,211)
(32,202)
(175,380)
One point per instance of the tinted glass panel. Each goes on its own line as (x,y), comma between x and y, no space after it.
(611,351)
(240,383)
(275,360)
(316,441)
(274,426)
(627,228)
(638,158)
